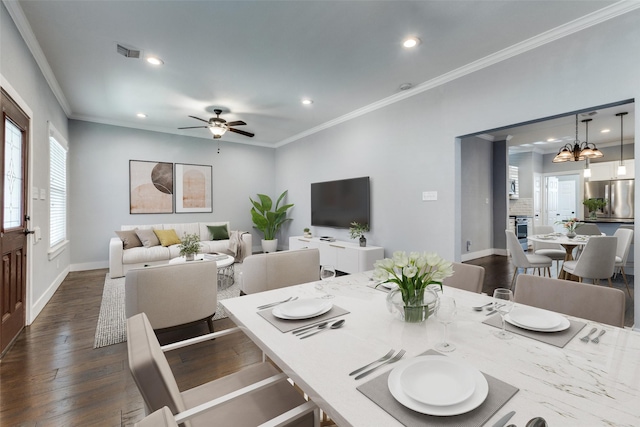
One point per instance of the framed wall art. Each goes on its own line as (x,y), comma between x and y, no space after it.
(150,187)
(193,188)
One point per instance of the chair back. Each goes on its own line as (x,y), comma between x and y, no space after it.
(588,230)
(545,229)
(149,367)
(625,236)
(468,277)
(597,303)
(273,270)
(598,258)
(172,294)
(518,257)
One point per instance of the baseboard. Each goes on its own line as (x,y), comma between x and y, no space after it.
(37,306)
(483,253)
(90,266)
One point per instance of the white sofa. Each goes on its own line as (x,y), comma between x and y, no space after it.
(121,260)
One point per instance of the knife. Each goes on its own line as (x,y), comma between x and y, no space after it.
(502,421)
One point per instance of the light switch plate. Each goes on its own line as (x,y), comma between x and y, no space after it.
(429,195)
(35,192)
(43,193)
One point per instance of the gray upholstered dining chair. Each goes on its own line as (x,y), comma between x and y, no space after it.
(553,250)
(467,277)
(520,259)
(588,229)
(625,236)
(596,261)
(597,303)
(252,396)
(273,270)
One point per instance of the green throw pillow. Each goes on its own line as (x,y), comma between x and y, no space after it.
(218,232)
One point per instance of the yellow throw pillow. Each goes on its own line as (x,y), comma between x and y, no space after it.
(167,237)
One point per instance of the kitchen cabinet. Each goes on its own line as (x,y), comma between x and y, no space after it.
(347,257)
(605,171)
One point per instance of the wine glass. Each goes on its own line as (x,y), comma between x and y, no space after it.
(503,303)
(446,313)
(327,272)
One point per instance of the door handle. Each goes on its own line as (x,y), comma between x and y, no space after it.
(27,231)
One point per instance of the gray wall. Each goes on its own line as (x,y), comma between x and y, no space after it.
(99,199)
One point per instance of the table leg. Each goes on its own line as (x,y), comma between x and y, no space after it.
(568,257)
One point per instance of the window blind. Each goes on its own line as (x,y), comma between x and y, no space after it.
(57,193)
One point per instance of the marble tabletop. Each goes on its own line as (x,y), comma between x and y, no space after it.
(582,384)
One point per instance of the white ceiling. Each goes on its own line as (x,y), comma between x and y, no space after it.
(256,60)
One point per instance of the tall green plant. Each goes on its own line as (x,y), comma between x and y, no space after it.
(266,220)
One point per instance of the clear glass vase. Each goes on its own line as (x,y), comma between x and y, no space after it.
(417,307)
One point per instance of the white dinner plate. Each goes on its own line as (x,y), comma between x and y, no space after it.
(395,388)
(564,325)
(547,237)
(306,309)
(441,381)
(531,317)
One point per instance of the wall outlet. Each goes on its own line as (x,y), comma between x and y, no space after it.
(468,245)
(429,195)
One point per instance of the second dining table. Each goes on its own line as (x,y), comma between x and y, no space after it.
(574,383)
(569,244)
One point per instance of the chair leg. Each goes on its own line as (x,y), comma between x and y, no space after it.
(513,278)
(549,272)
(210,324)
(626,282)
(610,284)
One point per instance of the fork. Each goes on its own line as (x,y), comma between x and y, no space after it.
(273,304)
(392,360)
(596,340)
(587,337)
(382,359)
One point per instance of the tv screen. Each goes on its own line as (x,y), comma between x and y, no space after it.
(339,203)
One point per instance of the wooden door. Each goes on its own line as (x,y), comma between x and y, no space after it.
(13,220)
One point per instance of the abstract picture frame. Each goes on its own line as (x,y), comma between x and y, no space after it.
(151,187)
(193,188)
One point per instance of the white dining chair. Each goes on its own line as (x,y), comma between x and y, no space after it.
(625,237)
(468,277)
(520,259)
(588,230)
(596,261)
(597,303)
(553,250)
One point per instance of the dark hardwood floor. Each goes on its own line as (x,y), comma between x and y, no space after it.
(54,377)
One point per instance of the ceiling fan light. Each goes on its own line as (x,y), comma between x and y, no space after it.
(218,129)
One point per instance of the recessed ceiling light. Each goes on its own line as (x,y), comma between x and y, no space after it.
(307,101)
(605,131)
(406,86)
(153,60)
(551,140)
(141,115)
(411,42)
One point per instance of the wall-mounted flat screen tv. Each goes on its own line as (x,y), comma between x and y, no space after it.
(339,203)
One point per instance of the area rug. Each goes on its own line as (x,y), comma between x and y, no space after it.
(111,327)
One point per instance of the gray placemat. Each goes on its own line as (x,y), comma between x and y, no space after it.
(290,325)
(558,339)
(378,391)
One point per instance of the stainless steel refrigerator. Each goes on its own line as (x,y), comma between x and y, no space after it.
(618,194)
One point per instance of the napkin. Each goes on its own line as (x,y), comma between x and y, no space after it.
(378,391)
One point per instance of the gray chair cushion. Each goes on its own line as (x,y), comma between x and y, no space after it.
(467,277)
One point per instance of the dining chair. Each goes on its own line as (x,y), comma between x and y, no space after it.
(588,230)
(520,259)
(553,250)
(467,277)
(250,397)
(625,237)
(597,303)
(596,261)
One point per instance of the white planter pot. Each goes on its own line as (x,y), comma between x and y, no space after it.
(269,245)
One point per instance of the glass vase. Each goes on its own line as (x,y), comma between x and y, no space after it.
(417,308)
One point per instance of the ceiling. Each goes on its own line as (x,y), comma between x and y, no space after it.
(256,60)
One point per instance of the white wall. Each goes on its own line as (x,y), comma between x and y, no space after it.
(99,195)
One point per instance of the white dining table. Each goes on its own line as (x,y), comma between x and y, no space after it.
(582,384)
(569,244)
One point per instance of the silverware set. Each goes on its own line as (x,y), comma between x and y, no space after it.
(595,340)
(273,304)
(321,328)
(384,360)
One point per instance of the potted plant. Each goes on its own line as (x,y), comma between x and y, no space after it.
(357,230)
(307,232)
(269,221)
(593,205)
(189,246)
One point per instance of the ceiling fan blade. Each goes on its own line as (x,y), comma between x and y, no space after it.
(241,132)
(195,127)
(198,118)
(236,123)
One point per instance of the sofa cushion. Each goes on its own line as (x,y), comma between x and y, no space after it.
(185,228)
(142,255)
(211,246)
(218,232)
(148,238)
(167,237)
(129,239)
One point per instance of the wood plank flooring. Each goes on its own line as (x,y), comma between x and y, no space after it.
(54,377)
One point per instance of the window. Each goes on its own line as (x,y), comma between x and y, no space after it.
(57,189)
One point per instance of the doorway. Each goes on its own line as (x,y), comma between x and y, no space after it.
(560,200)
(13,220)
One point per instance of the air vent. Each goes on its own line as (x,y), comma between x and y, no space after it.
(127,52)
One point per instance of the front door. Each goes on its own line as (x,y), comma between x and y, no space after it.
(13,220)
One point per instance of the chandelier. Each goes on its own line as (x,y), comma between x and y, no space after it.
(579,150)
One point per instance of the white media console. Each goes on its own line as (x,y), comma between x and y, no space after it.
(344,256)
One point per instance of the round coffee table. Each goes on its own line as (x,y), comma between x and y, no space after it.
(225,263)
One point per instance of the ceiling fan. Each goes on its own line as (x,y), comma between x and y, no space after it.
(219,126)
